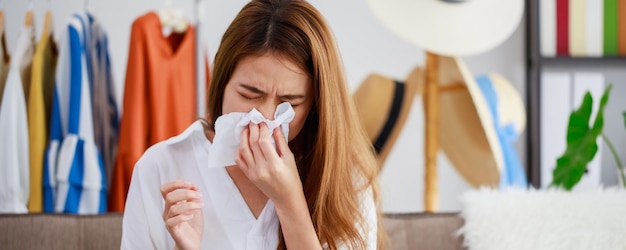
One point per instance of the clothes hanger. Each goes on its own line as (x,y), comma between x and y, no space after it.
(1,18)
(172,19)
(5,51)
(47,23)
(28,21)
(89,8)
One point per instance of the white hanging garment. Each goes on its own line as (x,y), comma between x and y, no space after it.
(14,162)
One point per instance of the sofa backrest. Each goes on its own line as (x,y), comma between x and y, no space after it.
(60,231)
(424,231)
(63,231)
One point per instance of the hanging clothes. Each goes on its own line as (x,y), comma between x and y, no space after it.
(74,179)
(39,106)
(105,113)
(159,96)
(5,58)
(14,164)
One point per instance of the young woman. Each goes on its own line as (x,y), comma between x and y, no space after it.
(316,191)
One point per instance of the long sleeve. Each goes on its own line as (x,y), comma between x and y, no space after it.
(134,123)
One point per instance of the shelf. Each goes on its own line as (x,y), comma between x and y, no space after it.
(535,65)
(583,61)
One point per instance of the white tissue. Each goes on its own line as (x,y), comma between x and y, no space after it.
(228,129)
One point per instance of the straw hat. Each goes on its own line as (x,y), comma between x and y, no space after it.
(468,133)
(383,105)
(450,27)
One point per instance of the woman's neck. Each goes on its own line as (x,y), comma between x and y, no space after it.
(209,132)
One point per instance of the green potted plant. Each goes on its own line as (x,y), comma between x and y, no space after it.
(582,144)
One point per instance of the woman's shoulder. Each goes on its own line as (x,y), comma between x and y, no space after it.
(185,145)
(194,134)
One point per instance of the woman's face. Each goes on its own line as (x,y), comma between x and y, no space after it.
(266,81)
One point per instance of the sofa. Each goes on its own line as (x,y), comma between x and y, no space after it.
(424,231)
(60,231)
(63,231)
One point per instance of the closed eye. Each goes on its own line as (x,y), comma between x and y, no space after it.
(247,97)
(294,100)
(293,103)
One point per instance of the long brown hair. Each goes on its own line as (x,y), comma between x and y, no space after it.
(333,154)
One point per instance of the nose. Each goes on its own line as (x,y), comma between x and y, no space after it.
(267,109)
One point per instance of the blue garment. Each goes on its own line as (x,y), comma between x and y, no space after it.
(512,174)
(74,176)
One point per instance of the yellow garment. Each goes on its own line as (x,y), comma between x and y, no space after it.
(39,106)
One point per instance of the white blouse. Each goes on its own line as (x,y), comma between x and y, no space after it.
(228,222)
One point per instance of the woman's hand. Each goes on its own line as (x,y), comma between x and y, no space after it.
(271,169)
(276,174)
(183,213)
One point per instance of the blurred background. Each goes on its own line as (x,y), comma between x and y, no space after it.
(366,47)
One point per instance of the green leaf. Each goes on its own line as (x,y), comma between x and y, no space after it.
(599,123)
(581,142)
(624,119)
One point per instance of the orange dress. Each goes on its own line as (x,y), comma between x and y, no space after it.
(159,97)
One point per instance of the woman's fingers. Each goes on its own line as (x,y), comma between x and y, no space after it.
(180,195)
(281,143)
(258,146)
(265,143)
(244,156)
(257,155)
(241,161)
(249,154)
(184,208)
(182,212)
(255,140)
(176,220)
(173,185)
(177,192)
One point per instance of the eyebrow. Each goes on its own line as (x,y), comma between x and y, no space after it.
(258,91)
